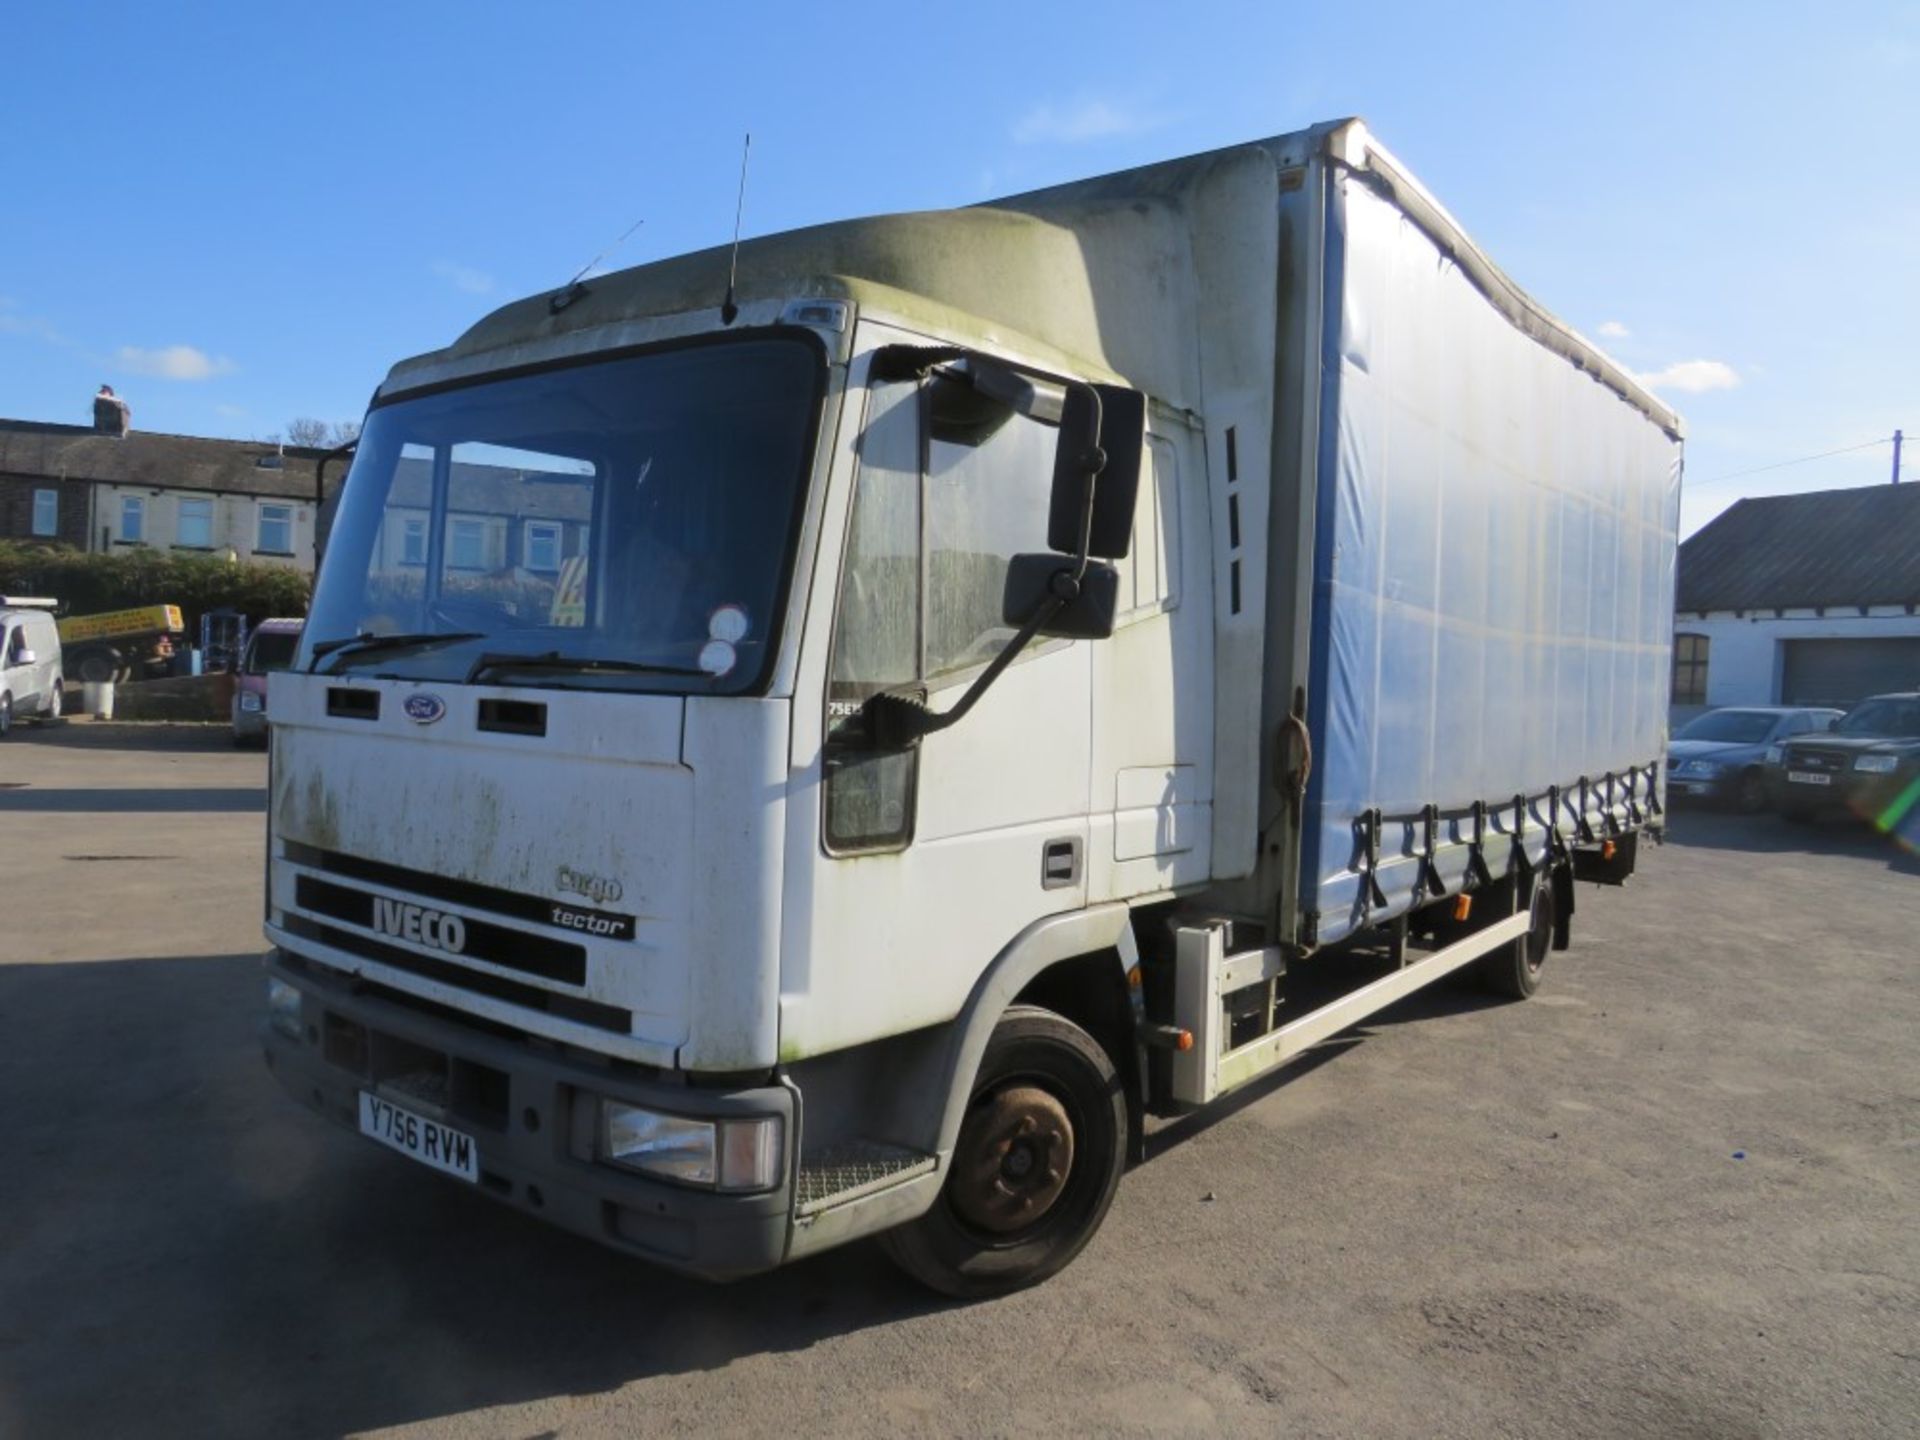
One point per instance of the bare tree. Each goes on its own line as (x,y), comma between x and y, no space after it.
(320,434)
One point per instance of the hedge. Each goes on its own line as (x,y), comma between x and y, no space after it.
(85,584)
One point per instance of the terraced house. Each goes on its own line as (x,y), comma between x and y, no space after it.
(97,490)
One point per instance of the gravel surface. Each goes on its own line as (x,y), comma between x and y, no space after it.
(1672,1195)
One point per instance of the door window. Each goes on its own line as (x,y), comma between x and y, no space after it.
(950,488)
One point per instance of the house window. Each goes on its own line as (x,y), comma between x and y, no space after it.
(276,530)
(195,530)
(1689,669)
(467,544)
(46,512)
(543,546)
(133,519)
(413,542)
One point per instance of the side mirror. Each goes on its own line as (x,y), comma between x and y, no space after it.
(1833,721)
(27,657)
(1090,603)
(1103,429)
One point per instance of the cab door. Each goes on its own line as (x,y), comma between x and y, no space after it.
(921,865)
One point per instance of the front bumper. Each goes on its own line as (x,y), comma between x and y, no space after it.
(1856,790)
(531,1113)
(1702,787)
(249,724)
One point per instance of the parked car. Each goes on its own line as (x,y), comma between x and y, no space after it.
(1868,763)
(1721,755)
(30,661)
(270,648)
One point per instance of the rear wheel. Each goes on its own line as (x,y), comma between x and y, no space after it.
(56,700)
(1036,1166)
(1514,969)
(6,715)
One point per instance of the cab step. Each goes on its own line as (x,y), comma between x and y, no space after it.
(840,1173)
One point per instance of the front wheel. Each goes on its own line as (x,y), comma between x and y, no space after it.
(1036,1166)
(1750,793)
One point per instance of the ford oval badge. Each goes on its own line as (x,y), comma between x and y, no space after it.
(424,708)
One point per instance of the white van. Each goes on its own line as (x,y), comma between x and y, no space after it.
(30,676)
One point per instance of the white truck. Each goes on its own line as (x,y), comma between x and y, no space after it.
(834,756)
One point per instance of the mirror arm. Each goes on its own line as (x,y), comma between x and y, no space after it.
(899,720)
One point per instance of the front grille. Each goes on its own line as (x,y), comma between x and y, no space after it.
(603,924)
(1826,760)
(540,955)
(562,1007)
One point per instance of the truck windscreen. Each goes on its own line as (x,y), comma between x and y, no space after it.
(622,524)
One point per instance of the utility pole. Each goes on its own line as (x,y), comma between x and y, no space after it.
(1896,457)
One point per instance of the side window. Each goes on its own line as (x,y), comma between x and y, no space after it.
(1150,572)
(876,641)
(133,519)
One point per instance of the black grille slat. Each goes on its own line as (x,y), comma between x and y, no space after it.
(351,704)
(565,1007)
(512,949)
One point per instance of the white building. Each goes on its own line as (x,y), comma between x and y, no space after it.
(1800,600)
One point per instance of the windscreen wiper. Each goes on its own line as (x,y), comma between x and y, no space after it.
(366,642)
(555,660)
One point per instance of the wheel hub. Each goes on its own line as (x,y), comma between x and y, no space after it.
(1013,1160)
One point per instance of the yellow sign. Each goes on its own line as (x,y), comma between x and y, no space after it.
(144,620)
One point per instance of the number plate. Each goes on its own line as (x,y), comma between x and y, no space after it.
(428,1141)
(1805,777)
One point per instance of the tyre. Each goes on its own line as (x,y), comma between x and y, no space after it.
(1750,793)
(6,715)
(1038,1160)
(1514,969)
(56,701)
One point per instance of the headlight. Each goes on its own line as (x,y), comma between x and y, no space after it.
(283,1007)
(1774,752)
(720,1154)
(1877,764)
(1698,767)
(252,702)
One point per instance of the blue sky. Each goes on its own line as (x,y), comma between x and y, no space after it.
(241,213)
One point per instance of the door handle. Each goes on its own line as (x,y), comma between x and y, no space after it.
(1060,863)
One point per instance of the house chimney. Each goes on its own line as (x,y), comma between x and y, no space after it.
(110,414)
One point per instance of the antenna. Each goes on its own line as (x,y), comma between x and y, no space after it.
(728,310)
(571,291)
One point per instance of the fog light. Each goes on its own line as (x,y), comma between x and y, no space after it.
(283,1007)
(722,1155)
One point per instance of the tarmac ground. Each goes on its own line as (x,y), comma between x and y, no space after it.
(1675,1194)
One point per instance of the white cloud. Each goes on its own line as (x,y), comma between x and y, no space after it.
(1613,330)
(1079,121)
(1692,376)
(463,277)
(172,362)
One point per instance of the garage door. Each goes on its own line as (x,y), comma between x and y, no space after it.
(1839,672)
